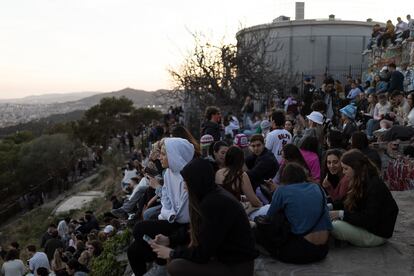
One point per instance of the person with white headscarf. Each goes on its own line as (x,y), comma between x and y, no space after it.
(174,216)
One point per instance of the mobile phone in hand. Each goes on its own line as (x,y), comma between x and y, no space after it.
(147,238)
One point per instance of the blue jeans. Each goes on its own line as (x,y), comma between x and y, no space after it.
(371,126)
(152,213)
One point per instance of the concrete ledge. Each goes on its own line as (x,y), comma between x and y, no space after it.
(78,201)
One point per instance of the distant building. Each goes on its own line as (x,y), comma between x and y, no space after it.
(299,10)
(314,47)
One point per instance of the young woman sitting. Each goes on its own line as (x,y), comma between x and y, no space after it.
(334,182)
(174,216)
(218,152)
(310,152)
(291,153)
(369,210)
(222,242)
(234,179)
(304,206)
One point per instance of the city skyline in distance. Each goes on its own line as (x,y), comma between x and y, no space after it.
(60,46)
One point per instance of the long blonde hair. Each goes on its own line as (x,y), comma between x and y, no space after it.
(57,263)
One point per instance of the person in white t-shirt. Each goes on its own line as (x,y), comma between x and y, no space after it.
(13,266)
(129,173)
(279,137)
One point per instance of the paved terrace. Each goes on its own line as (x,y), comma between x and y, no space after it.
(394,258)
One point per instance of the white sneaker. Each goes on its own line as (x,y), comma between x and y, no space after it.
(157,270)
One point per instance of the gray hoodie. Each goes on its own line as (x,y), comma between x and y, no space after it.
(174,199)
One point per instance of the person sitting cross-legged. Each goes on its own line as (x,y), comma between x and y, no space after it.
(301,205)
(369,211)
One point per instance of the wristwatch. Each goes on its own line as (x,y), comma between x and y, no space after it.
(172,254)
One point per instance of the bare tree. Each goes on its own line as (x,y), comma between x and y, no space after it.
(259,73)
(206,73)
(225,74)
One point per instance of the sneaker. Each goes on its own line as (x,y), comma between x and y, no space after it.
(157,270)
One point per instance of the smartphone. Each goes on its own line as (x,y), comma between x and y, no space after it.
(147,238)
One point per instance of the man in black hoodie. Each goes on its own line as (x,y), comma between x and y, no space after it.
(212,126)
(262,164)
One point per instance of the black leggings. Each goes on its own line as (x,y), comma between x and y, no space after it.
(139,252)
(182,267)
(298,250)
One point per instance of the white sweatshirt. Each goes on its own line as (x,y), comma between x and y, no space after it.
(174,199)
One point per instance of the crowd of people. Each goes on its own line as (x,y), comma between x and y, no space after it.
(66,248)
(391,35)
(382,107)
(285,182)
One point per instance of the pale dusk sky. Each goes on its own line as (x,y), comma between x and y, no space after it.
(56,46)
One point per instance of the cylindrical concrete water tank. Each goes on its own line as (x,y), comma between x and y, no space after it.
(313,46)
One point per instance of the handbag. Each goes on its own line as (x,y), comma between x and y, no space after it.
(272,232)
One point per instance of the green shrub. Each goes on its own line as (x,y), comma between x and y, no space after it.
(107,264)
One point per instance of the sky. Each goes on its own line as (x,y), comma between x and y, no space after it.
(59,46)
